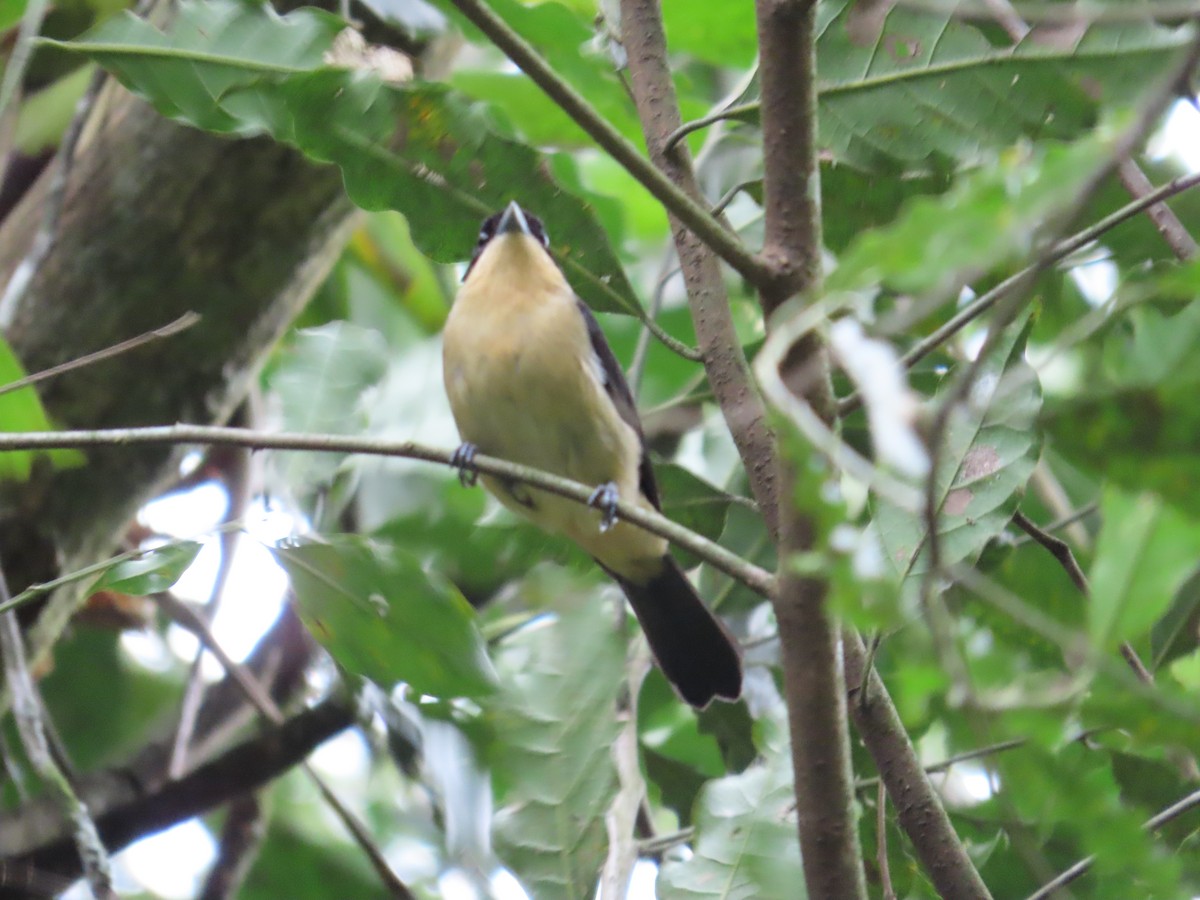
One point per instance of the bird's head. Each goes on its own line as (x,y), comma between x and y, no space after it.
(511,242)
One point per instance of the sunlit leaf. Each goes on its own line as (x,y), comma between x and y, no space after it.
(1145,551)
(22,411)
(379,614)
(745,843)
(153,571)
(555,732)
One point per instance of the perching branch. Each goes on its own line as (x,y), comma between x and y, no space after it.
(731,564)
(687,208)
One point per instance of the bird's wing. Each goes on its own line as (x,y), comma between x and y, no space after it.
(622,397)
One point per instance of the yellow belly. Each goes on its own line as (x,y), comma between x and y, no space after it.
(523,386)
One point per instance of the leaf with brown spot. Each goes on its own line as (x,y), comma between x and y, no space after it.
(990,448)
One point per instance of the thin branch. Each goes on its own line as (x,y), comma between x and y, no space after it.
(950,761)
(1182,244)
(687,208)
(986,301)
(246,767)
(881,844)
(184,322)
(261,700)
(919,809)
(27,710)
(1172,812)
(724,361)
(755,578)
(719,115)
(1057,547)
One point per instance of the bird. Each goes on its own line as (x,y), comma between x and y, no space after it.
(531,379)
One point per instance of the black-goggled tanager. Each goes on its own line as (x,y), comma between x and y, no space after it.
(532,380)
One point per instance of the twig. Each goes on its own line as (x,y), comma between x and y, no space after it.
(237,487)
(755,578)
(1057,547)
(184,322)
(986,301)
(656,845)
(719,115)
(1172,812)
(881,845)
(262,701)
(1182,244)
(27,710)
(690,211)
(18,61)
(967,755)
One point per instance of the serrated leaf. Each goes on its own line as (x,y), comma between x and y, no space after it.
(380,615)
(745,844)
(153,571)
(419,149)
(1144,554)
(320,379)
(901,88)
(554,734)
(990,448)
(22,410)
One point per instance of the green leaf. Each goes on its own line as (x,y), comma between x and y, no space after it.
(987,218)
(902,88)
(554,739)
(692,502)
(1177,633)
(416,148)
(745,842)
(723,34)
(380,615)
(1144,554)
(989,451)
(566,40)
(22,411)
(153,571)
(321,379)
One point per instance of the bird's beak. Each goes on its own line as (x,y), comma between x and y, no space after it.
(513,221)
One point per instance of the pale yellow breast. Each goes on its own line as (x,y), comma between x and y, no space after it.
(524,385)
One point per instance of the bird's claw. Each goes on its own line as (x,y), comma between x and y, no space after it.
(463,459)
(604,498)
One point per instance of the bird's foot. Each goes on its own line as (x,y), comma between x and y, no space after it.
(463,459)
(604,498)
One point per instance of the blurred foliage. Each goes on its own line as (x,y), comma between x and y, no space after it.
(948,158)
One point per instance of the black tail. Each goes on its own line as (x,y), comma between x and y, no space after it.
(693,648)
